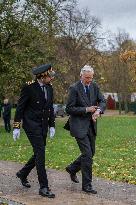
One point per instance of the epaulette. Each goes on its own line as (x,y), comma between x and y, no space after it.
(30,82)
(16,125)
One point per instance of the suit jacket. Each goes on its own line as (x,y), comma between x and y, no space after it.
(79,120)
(7,111)
(34,110)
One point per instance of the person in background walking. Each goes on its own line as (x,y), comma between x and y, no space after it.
(0,108)
(6,113)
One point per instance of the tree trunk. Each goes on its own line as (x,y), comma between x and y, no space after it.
(126,104)
(120,107)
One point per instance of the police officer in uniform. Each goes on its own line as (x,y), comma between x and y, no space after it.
(35,109)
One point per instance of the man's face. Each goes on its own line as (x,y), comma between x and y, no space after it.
(87,77)
(5,101)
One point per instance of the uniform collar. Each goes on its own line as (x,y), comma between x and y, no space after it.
(41,84)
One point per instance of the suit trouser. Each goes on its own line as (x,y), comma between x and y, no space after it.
(7,124)
(38,143)
(84,161)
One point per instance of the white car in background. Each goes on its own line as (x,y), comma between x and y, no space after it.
(59,110)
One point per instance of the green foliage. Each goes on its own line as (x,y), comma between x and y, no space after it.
(23,41)
(35,32)
(115,157)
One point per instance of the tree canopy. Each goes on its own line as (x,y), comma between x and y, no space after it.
(35,32)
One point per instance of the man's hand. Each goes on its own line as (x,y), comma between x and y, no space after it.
(52,132)
(91,109)
(96,115)
(16,134)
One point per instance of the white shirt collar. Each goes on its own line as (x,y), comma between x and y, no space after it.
(84,84)
(41,84)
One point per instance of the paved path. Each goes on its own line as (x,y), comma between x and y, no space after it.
(67,193)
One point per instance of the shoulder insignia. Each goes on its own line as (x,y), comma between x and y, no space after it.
(30,82)
(16,125)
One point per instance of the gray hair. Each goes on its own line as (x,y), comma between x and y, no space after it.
(86,68)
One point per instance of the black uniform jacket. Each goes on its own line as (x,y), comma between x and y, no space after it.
(34,110)
(79,120)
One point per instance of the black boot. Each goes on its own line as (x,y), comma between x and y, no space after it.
(89,189)
(73,176)
(46,192)
(23,180)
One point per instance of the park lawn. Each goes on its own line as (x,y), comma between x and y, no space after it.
(115,157)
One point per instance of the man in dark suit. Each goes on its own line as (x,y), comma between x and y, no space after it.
(85,104)
(6,108)
(35,109)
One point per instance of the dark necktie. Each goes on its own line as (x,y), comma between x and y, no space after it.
(87,91)
(44,90)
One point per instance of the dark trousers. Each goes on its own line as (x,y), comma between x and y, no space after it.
(85,160)
(7,124)
(38,143)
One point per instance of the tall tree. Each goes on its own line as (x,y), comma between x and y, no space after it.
(25,40)
(76,44)
(117,74)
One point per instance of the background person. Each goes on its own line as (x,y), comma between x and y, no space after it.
(35,109)
(84,105)
(6,113)
(0,108)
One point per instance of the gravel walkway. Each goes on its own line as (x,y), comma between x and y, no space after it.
(67,193)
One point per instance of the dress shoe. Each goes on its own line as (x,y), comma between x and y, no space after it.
(46,192)
(23,180)
(72,176)
(89,189)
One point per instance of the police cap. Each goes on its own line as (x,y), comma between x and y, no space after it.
(43,70)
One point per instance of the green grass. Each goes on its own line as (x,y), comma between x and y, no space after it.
(115,157)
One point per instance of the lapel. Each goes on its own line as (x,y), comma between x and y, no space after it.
(39,91)
(91,93)
(48,93)
(83,94)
